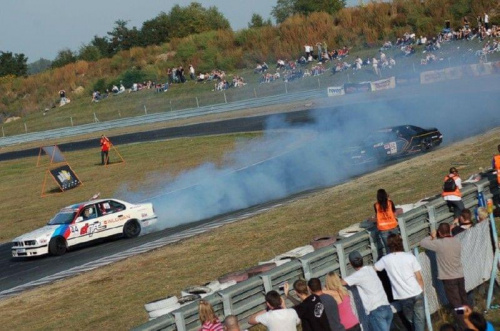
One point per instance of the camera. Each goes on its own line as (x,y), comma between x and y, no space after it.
(460,310)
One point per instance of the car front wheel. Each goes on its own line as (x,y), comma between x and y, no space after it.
(57,246)
(131,229)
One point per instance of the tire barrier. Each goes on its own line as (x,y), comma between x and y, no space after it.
(163,311)
(258,269)
(189,298)
(202,291)
(248,295)
(323,241)
(160,304)
(237,276)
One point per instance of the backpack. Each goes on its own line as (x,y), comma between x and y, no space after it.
(449,185)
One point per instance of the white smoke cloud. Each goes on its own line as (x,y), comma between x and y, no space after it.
(290,158)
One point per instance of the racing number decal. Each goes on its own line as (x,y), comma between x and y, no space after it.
(392,148)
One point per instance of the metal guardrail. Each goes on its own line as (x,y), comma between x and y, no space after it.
(160,117)
(247,297)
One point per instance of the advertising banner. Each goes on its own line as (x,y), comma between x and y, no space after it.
(481,69)
(357,87)
(383,84)
(335,91)
(454,73)
(65,177)
(432,76)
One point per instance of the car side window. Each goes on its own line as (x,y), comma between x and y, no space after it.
(110,207)
(89,212)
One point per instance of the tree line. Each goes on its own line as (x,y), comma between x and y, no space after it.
(179,22)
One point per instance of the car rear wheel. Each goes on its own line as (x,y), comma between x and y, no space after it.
(131,229)
(57,246)
(427,144)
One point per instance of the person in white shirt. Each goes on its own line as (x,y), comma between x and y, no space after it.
(276,317)
(372,293)
(407,283)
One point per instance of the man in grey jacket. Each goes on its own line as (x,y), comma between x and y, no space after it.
(449,263)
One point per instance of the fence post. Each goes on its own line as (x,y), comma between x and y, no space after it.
(71,120)
(197,102)
(426,302)
(95,118)
(348,78)
(255,92)
(171,105)
(3,132)
(319,83)
(145,110)
(25,127)
(495,260)
(414,70)
(119,114)
(286,87)
(225,98)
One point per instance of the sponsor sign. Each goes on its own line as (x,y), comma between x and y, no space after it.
(357,87)
(65,177)
(383,84)
(454,73)
(432,76)
(335,91)
(496,66)
(481,69)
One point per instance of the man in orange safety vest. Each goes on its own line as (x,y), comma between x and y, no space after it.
(105,145)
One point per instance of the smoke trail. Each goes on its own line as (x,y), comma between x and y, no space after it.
(291,158)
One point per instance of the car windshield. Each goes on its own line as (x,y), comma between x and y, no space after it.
(379,137)
(65,217)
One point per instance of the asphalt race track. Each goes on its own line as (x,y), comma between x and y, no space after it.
(467,110)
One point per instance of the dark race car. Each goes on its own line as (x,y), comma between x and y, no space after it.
(395,142)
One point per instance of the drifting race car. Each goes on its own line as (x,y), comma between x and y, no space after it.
(395,142)
(84,222)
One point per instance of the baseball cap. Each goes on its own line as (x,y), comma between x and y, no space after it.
(355,256)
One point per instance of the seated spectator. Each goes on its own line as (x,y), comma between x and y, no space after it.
(333,287)
(201,77)
(358,62)
(276,317)
(209,322)
(302,60)
(392,63)
(258,69)
(115,89)
(280,64)
(122,88)
(464,222)
(96,96)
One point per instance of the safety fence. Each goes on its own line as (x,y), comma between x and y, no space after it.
(248,297)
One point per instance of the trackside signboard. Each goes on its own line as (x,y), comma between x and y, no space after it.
(65,177)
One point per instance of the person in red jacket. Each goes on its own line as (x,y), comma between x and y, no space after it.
(105,145)
(496,164)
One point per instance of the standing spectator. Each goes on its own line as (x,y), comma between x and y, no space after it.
(192,73)
(105,145)
(372,293)
(375,67)
(320,51)
(308,50)
(276,317)
(465,222)
(496,164)
(310,310)
(451,193)
(486,21)
(385,216)
(333,287)
(231,323)
(209,322)
(407,283)
(331,307)
(449,263)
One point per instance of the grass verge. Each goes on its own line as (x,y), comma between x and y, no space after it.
(113,297)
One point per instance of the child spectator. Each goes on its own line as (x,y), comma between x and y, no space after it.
(209,322)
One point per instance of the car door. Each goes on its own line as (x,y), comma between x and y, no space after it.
(114,216)
(87,226)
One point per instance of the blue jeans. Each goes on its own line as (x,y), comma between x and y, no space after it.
(380,319)
(383,235)
(413,310)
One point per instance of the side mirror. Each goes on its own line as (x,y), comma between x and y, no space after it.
(79,218)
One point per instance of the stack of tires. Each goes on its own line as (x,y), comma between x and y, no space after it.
(161,307)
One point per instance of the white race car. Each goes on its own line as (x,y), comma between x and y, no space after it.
(82,223)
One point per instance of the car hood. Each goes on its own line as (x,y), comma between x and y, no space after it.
(43,232)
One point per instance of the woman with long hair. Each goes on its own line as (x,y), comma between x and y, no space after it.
(385,216)
(209,321)
(334,287)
